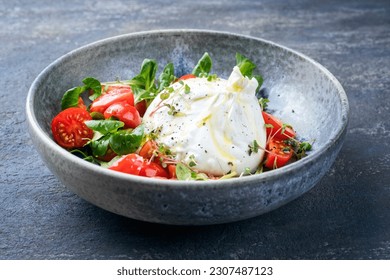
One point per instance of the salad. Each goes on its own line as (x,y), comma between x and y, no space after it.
(195,127)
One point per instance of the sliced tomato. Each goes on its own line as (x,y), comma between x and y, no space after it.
(112,95)
(279,153)
(81,104)
(172,171)
(141,107)
(148,149)
(152,169)
(125,113)
(131,164)
(69,129)
(186,77)
(276,129)
(137,165)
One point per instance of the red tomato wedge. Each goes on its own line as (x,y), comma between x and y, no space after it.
(275,128)
(125,113)
(151,169)
(186,77)
(131,164)
(137,165)
(81,104)
(279,153)
(172,171)
(141,107)
(148,149)
(69,129)
(113,94)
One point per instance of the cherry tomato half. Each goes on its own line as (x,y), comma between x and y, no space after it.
(279,153)
(114,94)
(275,128)
(125,113)
(69,129)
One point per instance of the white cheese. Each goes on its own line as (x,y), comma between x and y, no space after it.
(212,122)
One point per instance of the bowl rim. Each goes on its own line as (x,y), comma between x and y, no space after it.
(262,177)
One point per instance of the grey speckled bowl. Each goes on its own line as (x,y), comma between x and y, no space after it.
(300,91)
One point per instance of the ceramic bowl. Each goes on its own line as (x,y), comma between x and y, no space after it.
(300,91)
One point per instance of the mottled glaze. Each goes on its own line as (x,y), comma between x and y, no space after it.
(300,91)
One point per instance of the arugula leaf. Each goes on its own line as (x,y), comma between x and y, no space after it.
(104,126)
(203,67)
(71,96)
(166,77)
(127,141)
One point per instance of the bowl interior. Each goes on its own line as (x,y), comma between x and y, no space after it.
(300,91)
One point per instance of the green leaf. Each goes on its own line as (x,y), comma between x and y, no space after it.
(246,68)
(146,78)
(99,147)
(97,115)
(203,67)
(127,141)
(263,103)
(143,85)
(183,172)
(260,81)
(94,85)
(71,97)
(141,94)
(104,126)
(166,77)
(186,174)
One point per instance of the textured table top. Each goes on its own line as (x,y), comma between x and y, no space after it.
(346,216)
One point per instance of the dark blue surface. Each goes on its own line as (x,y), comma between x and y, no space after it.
(346,216)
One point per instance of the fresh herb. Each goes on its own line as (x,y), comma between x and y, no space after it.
(253,148)
(187,89)
(263,103)
(212,77)
(203,67)
(127,141)
(95,86)
(166,77)
(71,96)
(108,134)
(303,147)
(284,127)
(185,173)
(192,162)
(246,67)
(105,126)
